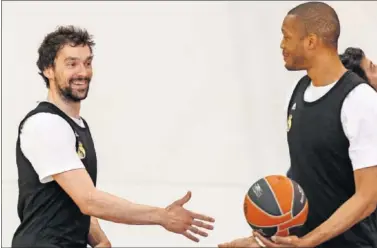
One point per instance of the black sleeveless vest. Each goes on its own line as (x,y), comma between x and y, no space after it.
(49,217)
(320,162)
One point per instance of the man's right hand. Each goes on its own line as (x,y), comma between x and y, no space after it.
(93,202)
(182,221)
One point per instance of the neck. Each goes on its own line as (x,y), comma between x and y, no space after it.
(326,69)
(71,109)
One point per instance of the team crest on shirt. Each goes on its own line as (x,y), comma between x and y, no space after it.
(289,122)
(290,117)
(81,151)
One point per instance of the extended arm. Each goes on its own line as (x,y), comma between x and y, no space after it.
(49,144)
(94,202)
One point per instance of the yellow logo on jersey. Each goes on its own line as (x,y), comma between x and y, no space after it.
(289,122)
(81,151)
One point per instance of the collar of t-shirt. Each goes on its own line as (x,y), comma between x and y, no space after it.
(78,121)
(313,92)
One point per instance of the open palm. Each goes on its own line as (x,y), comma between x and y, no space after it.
(185,222)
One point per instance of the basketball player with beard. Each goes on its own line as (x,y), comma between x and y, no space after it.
(58,202)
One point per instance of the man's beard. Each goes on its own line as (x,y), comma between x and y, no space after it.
(74,95)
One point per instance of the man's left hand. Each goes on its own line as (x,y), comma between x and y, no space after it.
(289,241)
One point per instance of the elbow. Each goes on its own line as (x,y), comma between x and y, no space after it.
(85,211)
(370,209)
(372,206)
(87,204)
(370,203)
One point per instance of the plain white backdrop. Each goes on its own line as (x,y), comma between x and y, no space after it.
(185,96)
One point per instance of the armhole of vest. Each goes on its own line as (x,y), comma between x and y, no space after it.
(21,125)
(297,87)
(32,113)
(341,105)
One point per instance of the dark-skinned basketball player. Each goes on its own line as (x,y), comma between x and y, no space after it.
(332,137)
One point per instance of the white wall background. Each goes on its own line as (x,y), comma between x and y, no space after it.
(185,96)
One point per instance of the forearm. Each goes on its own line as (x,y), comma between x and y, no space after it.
(96,235)
(350,213)
(111,208)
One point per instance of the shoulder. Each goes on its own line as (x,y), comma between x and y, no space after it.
(362,98)
(47,126)
(49,143)
(359,118)
(46,122)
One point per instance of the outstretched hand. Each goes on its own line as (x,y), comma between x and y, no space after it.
(185,222)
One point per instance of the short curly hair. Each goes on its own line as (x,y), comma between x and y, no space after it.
(54,41)
(351,59)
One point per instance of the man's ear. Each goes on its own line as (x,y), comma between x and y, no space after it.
(312,41)
(49,73)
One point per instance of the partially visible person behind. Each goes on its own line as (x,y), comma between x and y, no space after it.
(59,204)
(354,59)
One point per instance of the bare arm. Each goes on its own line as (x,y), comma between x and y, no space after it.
(96,236)
(91,201)
(362,204)
(49,143)
(360,111)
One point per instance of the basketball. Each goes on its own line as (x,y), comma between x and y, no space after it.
(276,206)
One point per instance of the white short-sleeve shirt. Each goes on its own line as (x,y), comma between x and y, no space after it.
(359,121)
(49,143)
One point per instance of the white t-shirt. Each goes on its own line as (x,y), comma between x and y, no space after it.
(49,143)
(359,121)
